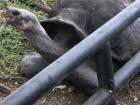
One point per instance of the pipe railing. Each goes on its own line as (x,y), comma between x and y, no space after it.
(123,75)
(32,90)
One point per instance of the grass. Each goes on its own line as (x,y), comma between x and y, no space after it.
(13,45)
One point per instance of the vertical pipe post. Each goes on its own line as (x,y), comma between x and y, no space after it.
(105,71)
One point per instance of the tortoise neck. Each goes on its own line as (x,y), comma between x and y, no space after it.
(36,34)
(43,43)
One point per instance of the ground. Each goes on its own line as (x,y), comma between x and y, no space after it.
(13,45)
(67,94)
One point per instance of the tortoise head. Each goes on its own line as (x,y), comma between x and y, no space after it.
(21,18)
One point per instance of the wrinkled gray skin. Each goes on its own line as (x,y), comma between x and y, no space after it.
(69,22)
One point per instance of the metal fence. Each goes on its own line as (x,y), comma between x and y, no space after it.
(109,82)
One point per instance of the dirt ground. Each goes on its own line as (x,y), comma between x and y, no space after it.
(66,94)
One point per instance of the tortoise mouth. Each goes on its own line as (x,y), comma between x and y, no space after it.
(1,12)
(5,19)
(10,17)
(6,16)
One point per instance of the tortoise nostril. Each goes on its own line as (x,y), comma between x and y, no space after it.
(15,13)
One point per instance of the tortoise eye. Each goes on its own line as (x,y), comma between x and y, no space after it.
(15,13)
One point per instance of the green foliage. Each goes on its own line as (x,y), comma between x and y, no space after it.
(2,4)
(13,45)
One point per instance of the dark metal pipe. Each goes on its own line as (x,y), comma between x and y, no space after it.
(101,97)
(127,72)
(122,77)
(105,71)
(105,68)
(58,70)
(124,74)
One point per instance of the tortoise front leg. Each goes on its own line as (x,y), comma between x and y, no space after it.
(84,76)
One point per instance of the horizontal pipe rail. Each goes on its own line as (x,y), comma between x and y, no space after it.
(32,90)
(127,72)
(101,97)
